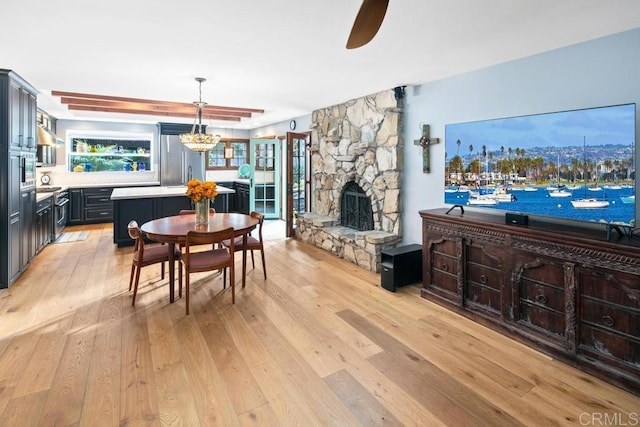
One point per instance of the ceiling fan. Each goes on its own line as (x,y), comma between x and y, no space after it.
(367,22)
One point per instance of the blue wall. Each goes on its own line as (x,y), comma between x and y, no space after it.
(600,72)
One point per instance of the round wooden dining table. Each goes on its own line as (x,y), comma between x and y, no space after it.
(173,230)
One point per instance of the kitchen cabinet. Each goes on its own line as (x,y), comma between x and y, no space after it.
(14,240)
(22,110)
(143,204)
(27,218)
(17,140)
(76,206)
(143,210)
(44,222)
(230,200)
(242,197)
(98,206)
(90,205)
(567,291)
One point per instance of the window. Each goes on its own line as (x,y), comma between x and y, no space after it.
(240,154)
(100,151)
(265,156)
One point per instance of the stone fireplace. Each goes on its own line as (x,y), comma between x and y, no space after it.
(356,158)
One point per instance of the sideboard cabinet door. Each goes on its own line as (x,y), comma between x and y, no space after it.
(443,268)
(609,318)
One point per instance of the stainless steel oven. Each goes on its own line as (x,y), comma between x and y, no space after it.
(61,210)
(27,170)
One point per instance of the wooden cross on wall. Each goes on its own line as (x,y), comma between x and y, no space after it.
(425,141)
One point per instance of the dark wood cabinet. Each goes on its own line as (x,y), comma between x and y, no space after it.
(143,210)
(43,223)
(27,227)
(17,142)
(242,197)
(565,290)
(230,199)
(14,240)
(90,205)
(22,112)
(76,206)
(98,206)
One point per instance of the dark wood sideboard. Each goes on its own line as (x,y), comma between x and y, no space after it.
(566,291)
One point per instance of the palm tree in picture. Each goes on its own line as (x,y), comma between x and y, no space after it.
(458,142)
(575,166)
(484,157)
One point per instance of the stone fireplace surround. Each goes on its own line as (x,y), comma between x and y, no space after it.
(361,141)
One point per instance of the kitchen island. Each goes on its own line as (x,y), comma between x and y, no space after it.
(143,204)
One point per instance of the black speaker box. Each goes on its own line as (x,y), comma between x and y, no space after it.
(516,218)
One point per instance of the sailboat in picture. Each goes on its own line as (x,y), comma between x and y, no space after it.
(588,202)
(558,190)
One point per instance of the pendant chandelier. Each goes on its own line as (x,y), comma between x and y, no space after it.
(199,141)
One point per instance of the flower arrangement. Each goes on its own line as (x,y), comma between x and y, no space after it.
(198,190)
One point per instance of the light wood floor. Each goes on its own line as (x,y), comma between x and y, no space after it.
(318,343)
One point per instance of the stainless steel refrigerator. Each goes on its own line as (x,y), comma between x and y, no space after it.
(178,164)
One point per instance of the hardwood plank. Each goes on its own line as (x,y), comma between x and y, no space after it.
(362,404)
(65,400)
(12,363)
(483,372)
(242,388)
(176,403)
(24,410)
(309,295)
(138,398)
(283,395)
(262,416)
(101,405)
(448,399)
(38,374)
(212,401)
(325,405)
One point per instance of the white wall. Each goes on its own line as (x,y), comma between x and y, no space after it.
(597,73)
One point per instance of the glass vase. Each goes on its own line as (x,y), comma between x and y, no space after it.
(202,211)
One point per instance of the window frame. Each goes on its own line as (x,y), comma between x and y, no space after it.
(227,144)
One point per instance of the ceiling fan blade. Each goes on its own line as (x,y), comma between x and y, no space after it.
(367,22)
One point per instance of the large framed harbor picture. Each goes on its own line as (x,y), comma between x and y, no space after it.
(574,165)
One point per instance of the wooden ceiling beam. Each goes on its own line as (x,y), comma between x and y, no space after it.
(205,116)
(171,109)
(86,96)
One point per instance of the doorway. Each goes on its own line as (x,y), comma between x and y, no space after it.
(264,179)
(297,197)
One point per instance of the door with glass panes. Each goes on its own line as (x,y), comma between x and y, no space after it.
(297,198)
(264,191)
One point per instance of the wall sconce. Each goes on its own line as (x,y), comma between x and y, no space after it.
(228,153)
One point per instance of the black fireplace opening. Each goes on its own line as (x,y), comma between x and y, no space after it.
(355,208)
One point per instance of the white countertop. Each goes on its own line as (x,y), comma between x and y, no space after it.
(157,191)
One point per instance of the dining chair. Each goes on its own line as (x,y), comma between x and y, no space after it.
(209,260)
(192,212)
(147,255)
(253,244)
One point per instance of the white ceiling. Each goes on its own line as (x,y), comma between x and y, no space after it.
(287,57)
